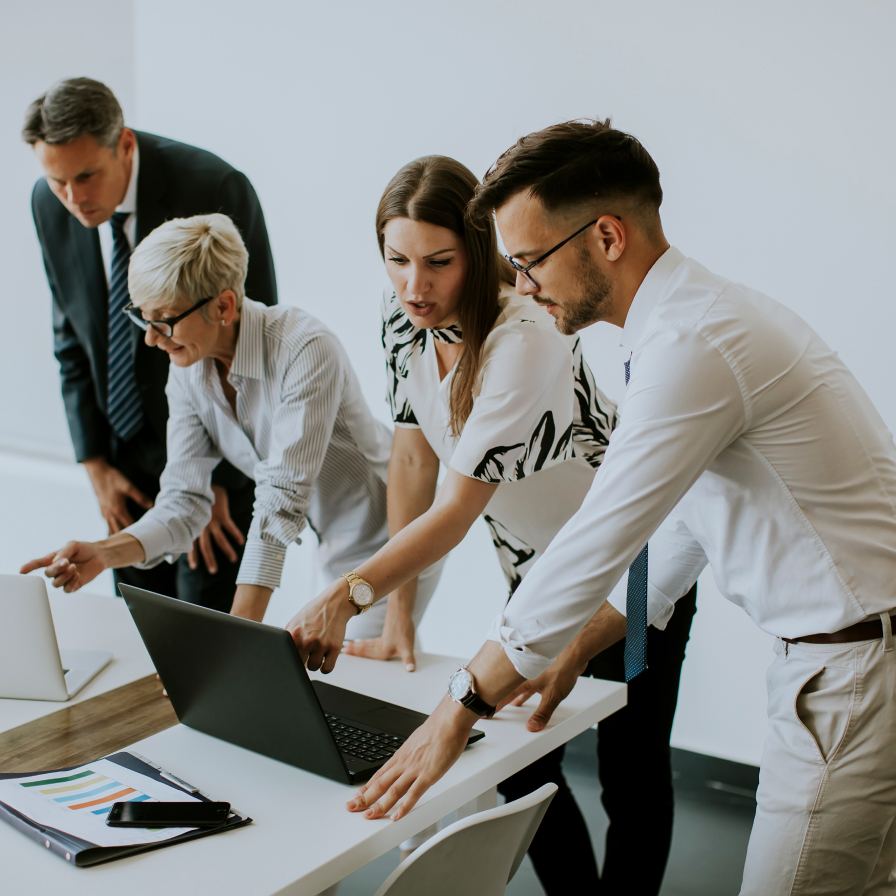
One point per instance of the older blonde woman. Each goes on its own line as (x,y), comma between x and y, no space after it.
(269,389)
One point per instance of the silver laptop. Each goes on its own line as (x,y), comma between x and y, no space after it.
(32,667)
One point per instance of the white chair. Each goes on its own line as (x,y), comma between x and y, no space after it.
(476,856)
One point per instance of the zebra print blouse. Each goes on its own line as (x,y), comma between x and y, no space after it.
(539,425)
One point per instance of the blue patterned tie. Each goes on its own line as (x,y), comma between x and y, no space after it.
(635,656)
(123,406)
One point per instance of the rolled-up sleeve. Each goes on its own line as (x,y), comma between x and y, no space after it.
(311,392)
(684,405)
(183,506)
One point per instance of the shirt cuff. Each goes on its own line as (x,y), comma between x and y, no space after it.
(405,425)
(262,564)
(526,661)
(659,607)
(155,539)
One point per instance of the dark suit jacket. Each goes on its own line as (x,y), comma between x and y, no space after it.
(174,181)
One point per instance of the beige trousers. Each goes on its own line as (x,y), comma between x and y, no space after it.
(827,784)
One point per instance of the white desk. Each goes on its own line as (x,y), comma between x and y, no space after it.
(303,840)
(88,622)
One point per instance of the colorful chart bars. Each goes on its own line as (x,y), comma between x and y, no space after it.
(86,791)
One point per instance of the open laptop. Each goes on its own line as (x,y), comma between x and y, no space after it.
(32,667)
(245,682)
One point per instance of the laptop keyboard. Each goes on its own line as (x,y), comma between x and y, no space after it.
(363,744)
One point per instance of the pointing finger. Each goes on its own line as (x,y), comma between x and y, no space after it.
(39,563)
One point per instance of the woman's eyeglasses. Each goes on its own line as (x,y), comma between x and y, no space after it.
(165,326)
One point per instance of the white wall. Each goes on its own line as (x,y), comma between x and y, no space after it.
(771,123)
(39,44)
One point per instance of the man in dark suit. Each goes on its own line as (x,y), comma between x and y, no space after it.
(106,188)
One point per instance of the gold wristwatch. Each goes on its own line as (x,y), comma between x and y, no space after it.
(360,593)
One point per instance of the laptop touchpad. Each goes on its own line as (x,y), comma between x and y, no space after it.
(389,718)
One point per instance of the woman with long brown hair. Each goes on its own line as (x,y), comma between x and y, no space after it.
(481,381)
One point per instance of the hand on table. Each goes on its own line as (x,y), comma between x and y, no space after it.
(397,640)
(423,758)
(319,627)
(76,564)
(554,685)
(113,489)
(220,525)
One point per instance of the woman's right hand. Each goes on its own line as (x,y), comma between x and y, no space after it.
(76,564)
(397,640)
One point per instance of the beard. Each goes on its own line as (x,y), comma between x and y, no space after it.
(592,302)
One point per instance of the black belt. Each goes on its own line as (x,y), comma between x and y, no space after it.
(868,630)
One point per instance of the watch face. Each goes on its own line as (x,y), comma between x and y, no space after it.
(362,593)
(460,684)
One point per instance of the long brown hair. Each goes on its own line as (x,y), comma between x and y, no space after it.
(436,190)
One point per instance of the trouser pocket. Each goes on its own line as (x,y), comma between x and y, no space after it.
(823,707)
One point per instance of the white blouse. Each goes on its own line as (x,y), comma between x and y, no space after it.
(539,424)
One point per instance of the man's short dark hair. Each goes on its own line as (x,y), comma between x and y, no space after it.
(569,164)
(74,108)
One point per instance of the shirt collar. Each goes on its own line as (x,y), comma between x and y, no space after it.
(248,360)
(129,203)
(648,296)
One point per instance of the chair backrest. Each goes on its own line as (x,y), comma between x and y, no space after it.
(475,856)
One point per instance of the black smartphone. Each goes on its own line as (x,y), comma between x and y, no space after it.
(167,815)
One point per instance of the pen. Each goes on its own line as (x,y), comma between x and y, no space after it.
(179,781)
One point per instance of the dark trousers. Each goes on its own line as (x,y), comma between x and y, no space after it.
(634,766)
(196,586)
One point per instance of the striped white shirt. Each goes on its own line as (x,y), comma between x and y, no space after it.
(302,431)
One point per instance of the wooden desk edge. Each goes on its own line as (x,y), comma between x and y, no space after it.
(88,730)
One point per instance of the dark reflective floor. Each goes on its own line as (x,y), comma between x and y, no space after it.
(712,827)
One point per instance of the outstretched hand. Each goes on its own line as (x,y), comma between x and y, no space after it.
(554,685)
(423,758)
(76,564)
(397,640)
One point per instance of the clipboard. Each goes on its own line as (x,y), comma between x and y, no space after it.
(83,853)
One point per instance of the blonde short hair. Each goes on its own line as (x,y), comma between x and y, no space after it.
(189,258)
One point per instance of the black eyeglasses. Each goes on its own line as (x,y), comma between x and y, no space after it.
(165,326)
(525,270)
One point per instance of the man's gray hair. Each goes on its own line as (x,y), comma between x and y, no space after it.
(74,108)
(187,260)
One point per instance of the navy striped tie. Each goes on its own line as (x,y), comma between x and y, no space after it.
(123,406)
(635,656)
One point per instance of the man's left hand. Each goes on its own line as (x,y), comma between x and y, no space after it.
(220,525)
(554,685)
(423,758)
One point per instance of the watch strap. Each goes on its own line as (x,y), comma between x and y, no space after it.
(475,703)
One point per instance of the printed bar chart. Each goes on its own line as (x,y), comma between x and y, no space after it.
(88,791)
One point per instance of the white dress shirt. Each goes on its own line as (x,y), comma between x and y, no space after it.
(302,431)
(744,442)
(539,426)
(128,204)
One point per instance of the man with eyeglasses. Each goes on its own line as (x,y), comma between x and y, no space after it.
(107,187)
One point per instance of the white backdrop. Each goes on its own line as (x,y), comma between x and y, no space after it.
(771,123)
(40,43)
